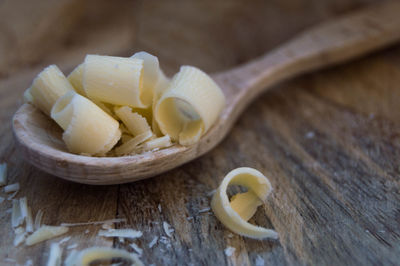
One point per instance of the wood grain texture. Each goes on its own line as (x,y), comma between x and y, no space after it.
(328,142)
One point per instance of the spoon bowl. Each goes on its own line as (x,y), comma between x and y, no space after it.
(40,139)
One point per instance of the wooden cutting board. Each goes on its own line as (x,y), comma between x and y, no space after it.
(329,141)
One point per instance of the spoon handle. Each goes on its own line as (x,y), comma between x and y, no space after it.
(330,43)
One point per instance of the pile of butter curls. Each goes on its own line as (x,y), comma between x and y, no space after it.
(115,106)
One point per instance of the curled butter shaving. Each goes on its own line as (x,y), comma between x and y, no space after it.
(115,80)
(151,68)
(189,106)
(155,144)
(129,147)
(134,122)
(45,232)
(161,86)
(242,207)
(154,83)
(87,128)
(75,78)
(48,87)
(87,256)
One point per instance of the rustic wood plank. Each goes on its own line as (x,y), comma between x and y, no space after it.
(219,35)
(54,32)
(333,165)
(328,142)
(184,196)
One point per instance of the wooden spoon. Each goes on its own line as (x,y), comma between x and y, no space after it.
(39,138)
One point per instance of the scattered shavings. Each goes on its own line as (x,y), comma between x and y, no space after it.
(19,230)
(13,195)
(29,263)
(94,223)
(106,226)
(3,174)
(72,246)
(89,255)
(19,236)
(45,232)
(204,210)
(137,249)
(259,261)
(229,251)
(38,219)
(11,188)
(29,221)
(16,216)
(153,242)
(23,203)
(55,255)
(1,199)
(64,240)
(154,144)
(70,260)
(125,233)
(212,192)
(168,229)
(26,214)
(19,239)
(159,208)
(166,241)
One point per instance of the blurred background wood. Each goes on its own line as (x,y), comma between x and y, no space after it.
(329,142)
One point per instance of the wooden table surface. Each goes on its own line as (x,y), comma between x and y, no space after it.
(329,142)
